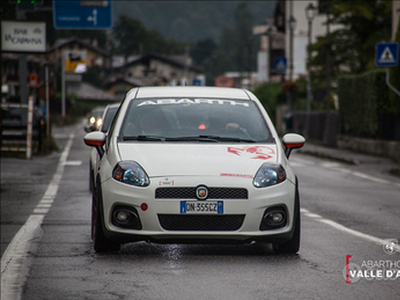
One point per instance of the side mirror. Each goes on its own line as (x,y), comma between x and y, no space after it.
(96,139)
(292,141)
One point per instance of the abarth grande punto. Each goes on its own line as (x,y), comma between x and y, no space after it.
(194,165)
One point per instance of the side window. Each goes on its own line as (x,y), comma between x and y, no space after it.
(110,132)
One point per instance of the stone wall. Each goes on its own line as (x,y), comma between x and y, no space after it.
(390,149)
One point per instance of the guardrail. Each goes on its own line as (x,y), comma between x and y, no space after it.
(18,132)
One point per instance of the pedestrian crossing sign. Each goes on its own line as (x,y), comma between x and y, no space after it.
(387,54)
(280,64)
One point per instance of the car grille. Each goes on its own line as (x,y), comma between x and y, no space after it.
(190,193)
(201,223)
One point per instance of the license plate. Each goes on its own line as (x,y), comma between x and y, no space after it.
(210,207)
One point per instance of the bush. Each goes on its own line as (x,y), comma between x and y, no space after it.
(269,95)
(395,81)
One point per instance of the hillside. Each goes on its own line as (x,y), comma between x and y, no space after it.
(189,21)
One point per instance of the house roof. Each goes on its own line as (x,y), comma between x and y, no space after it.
(173,60)
(86,91)
(62,42)
(134,81)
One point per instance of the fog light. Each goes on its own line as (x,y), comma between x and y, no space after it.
(122,216)
(274,218)
(126,217)
(277,217)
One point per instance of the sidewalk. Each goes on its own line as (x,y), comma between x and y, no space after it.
(376,163)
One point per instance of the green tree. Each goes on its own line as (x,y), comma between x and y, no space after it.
(236,48)
(202,50)
(363,24)
(244,38)
(132,38)
(395,81)
(130,35)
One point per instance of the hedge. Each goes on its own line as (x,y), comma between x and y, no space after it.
(363,100)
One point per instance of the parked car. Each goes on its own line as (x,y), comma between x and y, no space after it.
(194,165)
(107,117)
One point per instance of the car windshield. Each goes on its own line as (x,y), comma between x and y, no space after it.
(200,119)
(97,113)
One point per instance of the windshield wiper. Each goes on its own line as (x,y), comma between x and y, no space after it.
(208,138)
(199,138)
(143,138)
(233,139)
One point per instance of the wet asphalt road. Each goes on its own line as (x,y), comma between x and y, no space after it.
(63,265)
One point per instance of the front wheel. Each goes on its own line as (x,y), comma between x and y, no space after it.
(91,177)
(101,243)
(293,245)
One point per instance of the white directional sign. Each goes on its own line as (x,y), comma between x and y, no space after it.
(387,54)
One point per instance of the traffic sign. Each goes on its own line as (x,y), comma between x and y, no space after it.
(87,14)
(387,54)
(280,64)
(75,61)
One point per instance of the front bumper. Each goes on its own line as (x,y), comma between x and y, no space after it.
(252,209)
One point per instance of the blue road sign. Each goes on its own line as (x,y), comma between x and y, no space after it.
(197,82)
(87,14)
(387,54)
(280,64)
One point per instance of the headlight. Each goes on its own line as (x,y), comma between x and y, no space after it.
(99,122)
(130,172)
(269,174)
(92,120)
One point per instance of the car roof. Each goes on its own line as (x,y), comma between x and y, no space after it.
(188,91)
(116,105)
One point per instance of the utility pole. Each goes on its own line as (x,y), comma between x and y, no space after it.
(328,61)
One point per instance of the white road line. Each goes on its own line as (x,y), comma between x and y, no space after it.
(340,227)
(15,262)
(336,166)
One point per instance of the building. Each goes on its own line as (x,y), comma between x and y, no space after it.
(95,57)
(297,10)
(157,69)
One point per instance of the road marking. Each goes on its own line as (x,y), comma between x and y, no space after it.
(73,163)
(15,262)
(336,166)
(340,227)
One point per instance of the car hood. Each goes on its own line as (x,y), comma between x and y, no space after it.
(164,159)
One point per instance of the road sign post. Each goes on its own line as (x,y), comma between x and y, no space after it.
(387,55)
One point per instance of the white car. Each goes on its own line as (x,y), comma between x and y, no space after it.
(107,117)
(194,165)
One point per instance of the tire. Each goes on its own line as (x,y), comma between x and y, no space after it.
(91,177)
(293,245)
(100,243)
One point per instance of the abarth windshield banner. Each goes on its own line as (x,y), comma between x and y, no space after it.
(194,101)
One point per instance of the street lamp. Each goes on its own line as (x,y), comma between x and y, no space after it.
(292,27)
(310,15)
